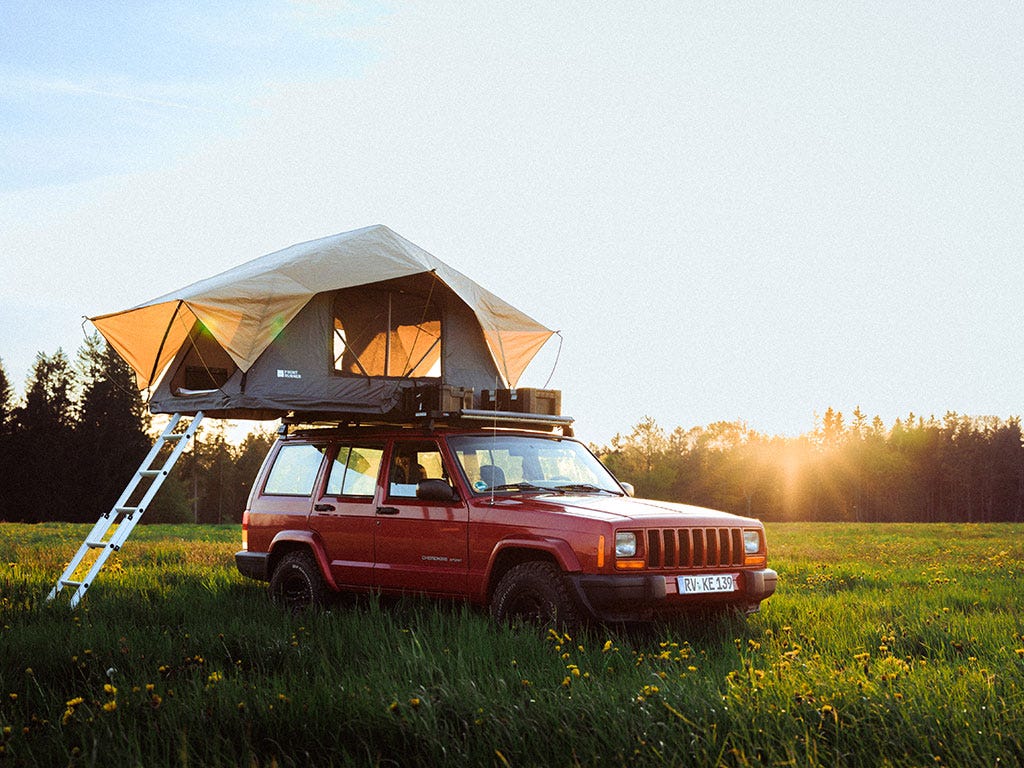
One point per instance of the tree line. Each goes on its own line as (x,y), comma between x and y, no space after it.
(954,469)
(72,442)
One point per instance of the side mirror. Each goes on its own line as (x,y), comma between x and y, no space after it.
(628,488)
(435,490)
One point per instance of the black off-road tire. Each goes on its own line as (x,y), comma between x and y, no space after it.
(297,583)
(535,593)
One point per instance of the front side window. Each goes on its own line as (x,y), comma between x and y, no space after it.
(412,462)
(386,333)
(294,471)
(354,471)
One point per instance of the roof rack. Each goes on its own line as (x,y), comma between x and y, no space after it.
(467,417)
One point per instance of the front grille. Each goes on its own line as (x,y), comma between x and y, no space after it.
(674,548)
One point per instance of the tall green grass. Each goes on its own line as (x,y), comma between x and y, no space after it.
(885,645)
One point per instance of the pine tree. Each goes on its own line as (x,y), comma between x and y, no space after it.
(6,400)
(41,446)
(111,432)
(6,408)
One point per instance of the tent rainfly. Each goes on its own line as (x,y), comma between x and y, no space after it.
(343,324)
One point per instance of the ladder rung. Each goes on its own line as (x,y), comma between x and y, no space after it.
(173,435)
(126,510)
(150,472)
(70,583)
(95,544)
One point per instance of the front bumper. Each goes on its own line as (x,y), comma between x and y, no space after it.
(626,597)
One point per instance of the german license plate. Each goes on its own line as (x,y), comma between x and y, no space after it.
(700,585)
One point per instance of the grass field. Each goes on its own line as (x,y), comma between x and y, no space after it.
(896,645)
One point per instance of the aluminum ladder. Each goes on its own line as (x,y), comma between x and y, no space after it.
(110,531)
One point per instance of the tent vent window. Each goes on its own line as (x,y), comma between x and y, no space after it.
(386,334)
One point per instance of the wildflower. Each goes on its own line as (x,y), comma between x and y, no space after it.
(150,687)
(414,702)
(14,696)
(650,690)
(110,706)
(155,700)
(214,677)
(692,668)
(74,702)
(525,683)
(608,646)
(393,707)
(281,697)
(1020,652)
(566,681)
(241,706)
(108,688)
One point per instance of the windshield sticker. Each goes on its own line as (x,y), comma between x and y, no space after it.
(480,485)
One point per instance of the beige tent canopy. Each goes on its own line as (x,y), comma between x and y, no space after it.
(360,283)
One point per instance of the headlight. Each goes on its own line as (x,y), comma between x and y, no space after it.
(625,544)
(751,542)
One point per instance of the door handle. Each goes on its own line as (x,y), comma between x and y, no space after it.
(387,510)
(323,507)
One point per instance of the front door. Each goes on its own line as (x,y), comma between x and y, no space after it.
(344,515)
(421,544)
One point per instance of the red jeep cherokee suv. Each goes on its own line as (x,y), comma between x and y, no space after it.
(528,523)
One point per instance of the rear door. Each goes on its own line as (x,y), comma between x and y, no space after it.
(421,545)
(283,502)
(344,514)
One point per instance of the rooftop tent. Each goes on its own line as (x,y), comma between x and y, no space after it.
(346,323)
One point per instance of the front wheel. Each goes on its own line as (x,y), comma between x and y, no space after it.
(534,593)
(297,583)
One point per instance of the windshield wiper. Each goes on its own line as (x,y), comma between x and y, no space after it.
(586,488)
(517,487)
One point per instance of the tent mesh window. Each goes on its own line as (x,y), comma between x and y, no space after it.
(386,333)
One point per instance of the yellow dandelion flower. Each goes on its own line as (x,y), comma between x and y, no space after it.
(150,687)
(108,688)
(110,706)
(608,646)
(414,702)
(74,702)
(566,681)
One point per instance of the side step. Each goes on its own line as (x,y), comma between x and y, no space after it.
(113,528)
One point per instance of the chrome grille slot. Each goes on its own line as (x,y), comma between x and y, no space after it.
(674,548)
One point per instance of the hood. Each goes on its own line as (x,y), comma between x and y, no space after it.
(617,509)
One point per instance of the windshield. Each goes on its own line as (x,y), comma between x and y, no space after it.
(522,463)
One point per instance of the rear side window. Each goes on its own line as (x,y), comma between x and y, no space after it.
(354,471)
(294,470)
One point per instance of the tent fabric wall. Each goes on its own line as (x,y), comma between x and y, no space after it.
(296,373)
(246,308)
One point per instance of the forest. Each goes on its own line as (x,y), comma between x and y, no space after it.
(73,439)
(72,442)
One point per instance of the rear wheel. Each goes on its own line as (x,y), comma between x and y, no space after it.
(534,593)
(297,583)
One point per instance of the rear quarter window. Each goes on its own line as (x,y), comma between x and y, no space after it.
(294,471)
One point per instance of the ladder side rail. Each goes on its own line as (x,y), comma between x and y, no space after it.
(104,523)
(95,537)
(131,520)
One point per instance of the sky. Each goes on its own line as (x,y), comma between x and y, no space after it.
(730,211)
